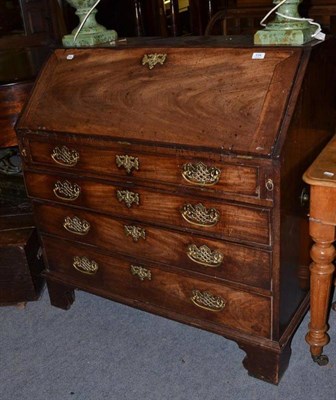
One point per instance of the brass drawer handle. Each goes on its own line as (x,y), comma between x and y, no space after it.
(76,225)
(64,156)
(141,272)
(66,190)
(84,265)
(135,232)
(204,256)
(128,162)
(129,198)
(200,174)
(207,301)
(153,59)
(200,215)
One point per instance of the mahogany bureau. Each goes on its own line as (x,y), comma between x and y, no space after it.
(166,175)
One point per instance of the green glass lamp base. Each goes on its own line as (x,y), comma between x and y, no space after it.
(290,35)
(91,38)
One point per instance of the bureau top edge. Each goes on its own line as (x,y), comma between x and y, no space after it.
(191,41)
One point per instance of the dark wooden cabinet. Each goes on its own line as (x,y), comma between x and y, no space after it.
(166,175)
(21,261)
(18,70)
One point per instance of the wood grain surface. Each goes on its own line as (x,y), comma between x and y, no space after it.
(215,98)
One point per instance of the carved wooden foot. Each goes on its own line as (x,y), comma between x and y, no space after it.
(60,295)
(264,363)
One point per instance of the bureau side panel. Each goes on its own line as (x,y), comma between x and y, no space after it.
(312,126)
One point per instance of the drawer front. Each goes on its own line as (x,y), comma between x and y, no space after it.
(85,268)
(127,161)
(212,218)
(218,259)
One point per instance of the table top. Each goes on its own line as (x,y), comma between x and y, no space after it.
(322,171)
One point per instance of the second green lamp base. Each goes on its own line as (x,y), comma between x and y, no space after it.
(274,35)
(90,39)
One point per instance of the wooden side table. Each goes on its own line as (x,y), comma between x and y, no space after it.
(321,176)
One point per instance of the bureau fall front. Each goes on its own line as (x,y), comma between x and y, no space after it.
(166,175)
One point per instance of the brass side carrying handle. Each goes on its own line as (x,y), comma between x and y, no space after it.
(141,272)
(66,190)
(127,197)
(205,256)
(84,265)
(207,301)
(127,162)
(153,59)
(76,225)
(200,215)
(65,156)
(201,174)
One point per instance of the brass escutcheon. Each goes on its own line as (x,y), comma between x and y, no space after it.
(200,174)
(205,256)
(135,232)
(153,59)
(76,225)
(200,215)
(141,272)
(128,162)
(66,190)
(84,265)
(207,301)
(127,197)
(64,156)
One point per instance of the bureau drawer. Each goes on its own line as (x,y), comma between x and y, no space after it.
(141,163)
(85,268)
(215,258)
(223,220)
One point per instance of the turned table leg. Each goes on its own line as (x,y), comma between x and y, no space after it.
(322,269)
(321,176)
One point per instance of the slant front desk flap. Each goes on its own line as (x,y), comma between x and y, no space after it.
(225,98)
(168,177)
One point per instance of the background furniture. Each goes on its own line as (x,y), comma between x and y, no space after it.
(167,176)
(234,17)
(20,254)
(321,176)
(49,20)
(20,259)
(30,22)
(18,69)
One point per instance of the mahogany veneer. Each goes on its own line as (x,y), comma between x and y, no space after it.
(176,189)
